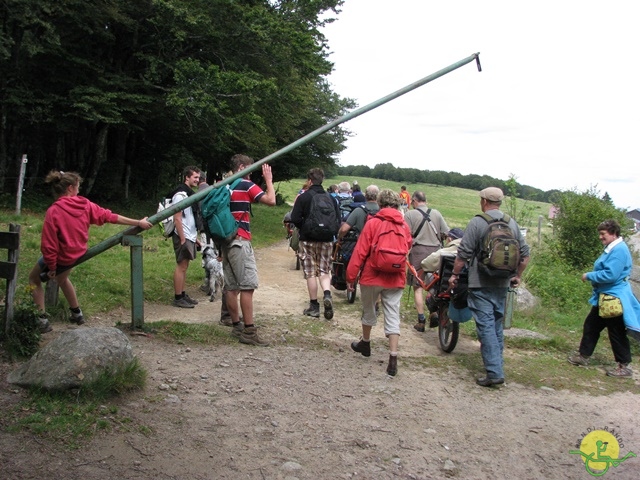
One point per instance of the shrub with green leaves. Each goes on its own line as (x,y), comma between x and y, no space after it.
(23,337)
(579,214)
(557,284)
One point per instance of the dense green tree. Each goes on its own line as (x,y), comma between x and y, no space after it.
(576,239)
(122,90)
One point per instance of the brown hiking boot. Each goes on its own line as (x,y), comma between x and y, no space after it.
(578,360)
(250,337)
(237,329)
(419,326)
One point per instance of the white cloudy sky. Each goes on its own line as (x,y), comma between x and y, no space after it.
(557,103)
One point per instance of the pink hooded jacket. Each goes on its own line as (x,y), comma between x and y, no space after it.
(65,232)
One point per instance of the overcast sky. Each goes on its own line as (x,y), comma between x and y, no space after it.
(556,104)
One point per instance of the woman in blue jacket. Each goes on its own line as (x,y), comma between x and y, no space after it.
(610,275)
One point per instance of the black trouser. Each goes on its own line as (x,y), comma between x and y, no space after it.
(594,324)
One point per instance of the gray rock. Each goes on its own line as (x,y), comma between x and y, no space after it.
(75,358)
(525,299)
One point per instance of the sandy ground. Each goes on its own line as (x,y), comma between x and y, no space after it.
(294,410)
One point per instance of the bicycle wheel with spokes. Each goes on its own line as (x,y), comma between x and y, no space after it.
(448,330)
(351,294)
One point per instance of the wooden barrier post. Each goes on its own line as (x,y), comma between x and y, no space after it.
(9,270)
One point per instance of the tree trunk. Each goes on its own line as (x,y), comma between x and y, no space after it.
(99,157)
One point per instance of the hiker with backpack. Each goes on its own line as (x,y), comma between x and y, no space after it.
(380,258)
(357,218)
(238,259)
(496,254)
(315,213)
(184,236)
(428,230)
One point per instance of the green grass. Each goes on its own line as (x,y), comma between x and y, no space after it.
(71,417)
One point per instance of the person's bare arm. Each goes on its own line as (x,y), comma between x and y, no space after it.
(269,197)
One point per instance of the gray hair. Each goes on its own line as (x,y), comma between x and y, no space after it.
(371,193)
(344,187)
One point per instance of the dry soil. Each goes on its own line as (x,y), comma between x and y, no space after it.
(306,410)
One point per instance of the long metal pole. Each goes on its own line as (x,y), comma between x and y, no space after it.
(117,239)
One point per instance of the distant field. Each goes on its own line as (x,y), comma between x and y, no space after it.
(457,205)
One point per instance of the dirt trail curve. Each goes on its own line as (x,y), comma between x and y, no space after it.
(291,411)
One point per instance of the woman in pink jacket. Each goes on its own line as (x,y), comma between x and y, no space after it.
(375,282)
(65,234)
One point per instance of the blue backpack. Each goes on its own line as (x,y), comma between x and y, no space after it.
(220,223)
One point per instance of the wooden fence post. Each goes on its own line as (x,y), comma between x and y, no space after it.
(9,270)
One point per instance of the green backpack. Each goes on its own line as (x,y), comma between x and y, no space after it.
(216,213)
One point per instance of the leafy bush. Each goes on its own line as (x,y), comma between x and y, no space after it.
(23,338)
(556,283)
(579,214)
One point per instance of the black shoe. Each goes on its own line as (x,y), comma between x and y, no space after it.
(489,382)
(328,308)
(192,301)
(433,320)
(392,368)
(419,326)
(362,347)
(313,310)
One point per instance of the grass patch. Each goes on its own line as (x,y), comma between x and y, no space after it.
(72,417)
(185,333)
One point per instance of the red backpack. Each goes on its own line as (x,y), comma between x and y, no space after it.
(389,253)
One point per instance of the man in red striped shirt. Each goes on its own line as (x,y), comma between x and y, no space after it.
(238,259)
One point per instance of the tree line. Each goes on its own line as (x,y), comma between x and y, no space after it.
(127,93)
(388,171)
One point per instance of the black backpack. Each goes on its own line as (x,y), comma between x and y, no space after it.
(500,249)
(322,224)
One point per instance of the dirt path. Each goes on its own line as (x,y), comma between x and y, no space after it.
(295,410)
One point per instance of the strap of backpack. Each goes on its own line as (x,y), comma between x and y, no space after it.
(426,219)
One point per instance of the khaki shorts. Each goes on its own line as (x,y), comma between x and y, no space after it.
(239,266)
(416,255)
(186,251)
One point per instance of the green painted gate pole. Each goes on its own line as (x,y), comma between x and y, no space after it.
(137,291)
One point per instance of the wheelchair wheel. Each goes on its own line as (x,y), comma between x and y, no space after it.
(351,294)
(448,330)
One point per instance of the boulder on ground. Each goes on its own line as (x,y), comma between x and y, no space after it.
(75,358)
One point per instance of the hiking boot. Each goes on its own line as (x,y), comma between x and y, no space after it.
(578,360)
(237,329)
(76,318)
(392,368)
(433,320)
(328,307)
(621,371)
(362,347)
(419,326)
(250,337)
(192,301)
(182,303)
(489,382)
(43,324)
(226,321)
(313,310)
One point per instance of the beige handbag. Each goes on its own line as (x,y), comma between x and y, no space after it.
(609,306)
